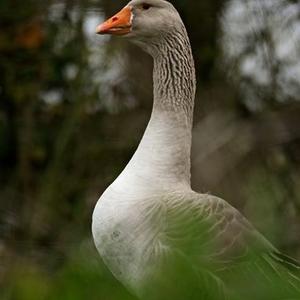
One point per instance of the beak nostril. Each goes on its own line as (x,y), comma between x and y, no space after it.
(114,19)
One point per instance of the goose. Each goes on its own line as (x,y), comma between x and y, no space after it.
(157,236)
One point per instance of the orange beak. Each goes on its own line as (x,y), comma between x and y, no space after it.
(119,24)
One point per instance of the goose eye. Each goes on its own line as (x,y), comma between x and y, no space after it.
(146,6)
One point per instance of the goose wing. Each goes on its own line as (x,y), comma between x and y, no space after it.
(222,249)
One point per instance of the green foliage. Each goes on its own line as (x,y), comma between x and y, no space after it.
(82,276)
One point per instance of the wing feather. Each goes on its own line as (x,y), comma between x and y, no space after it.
(215,238)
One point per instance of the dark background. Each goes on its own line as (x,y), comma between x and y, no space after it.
(73,107)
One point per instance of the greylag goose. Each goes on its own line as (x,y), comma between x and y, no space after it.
(157,236)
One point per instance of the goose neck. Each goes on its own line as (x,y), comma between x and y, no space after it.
(162,160)
(174,74)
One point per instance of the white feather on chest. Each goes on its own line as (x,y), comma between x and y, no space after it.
(124,234)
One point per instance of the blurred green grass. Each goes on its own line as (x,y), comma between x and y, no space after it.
(82,276)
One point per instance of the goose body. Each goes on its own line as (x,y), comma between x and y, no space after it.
(156,235)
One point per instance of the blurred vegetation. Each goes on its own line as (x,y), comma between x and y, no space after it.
(73,107)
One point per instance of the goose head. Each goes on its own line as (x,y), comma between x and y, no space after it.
(145,22)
